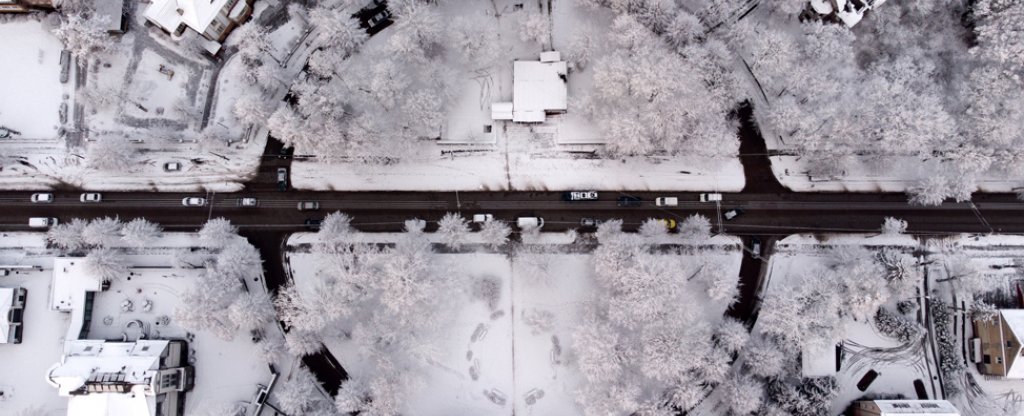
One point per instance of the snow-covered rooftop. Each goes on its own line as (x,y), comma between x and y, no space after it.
(916,407)
(196,14)
(114,9)
(6,301)
(539,87)
(129,362)
(112,404)
(70,282)
(1014,319)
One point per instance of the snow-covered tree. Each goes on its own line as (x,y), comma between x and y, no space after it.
(340,30)
(535,27)
(84,36)
(893,226)
(960,270)
(301,343)
(336,227)
(256,46)
(476,41)
(495,233)
(110,153)
(653,229)
(298,394)
(68,235)
(731,335)
(720,286)
(695,227)
(217,232)
(453,229)
(764,358)
(102,232)
(251,108)
(744,395)
(931,190)
(108,264)
(252,310)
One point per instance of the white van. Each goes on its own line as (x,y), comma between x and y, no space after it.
(41,222)
(529,222)
(710,197)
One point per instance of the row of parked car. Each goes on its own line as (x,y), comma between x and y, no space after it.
(46,198)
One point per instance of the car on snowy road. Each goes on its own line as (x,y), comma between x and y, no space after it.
(193,201)
(42,198)
(574,196)
(308,206)
(91,197)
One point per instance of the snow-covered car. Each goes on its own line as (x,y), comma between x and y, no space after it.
(664,201)
(580,196)
(482,218)
(41,222)
(710,197)
(248,202)
(588,222)
(42,198)
(733,213)
(193,201)
(529,222)
(308,206)
(91,197)
(172,167)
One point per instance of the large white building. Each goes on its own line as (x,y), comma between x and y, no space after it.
(539,88)
(213,19)
(141,378)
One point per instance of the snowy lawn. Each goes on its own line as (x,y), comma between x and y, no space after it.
(506,345)
(30,80)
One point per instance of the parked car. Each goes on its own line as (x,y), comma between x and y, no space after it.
(755,248)
(714,197)
(313,224)
(733,213)
(193,201)
(669,223)
(282,179)
(588,222)
(44,198)
(664,201)
(172,166)
(42,222)
(91,197)
(482,218)
(529,222)
(374,17)
(308,206)
(580,196)
(629,201)
(248,202)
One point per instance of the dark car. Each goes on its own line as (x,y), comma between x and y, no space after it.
(579,196)
(374,17)
(588,222)
(755,248)
(282,179)
(313,224)
(733,213)
(629,201)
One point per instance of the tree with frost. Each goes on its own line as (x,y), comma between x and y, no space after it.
(931,190)
(252,310)
(108,264)
(256,45)
(535,27)
(580,50)
(336,227)
(476,41)
(298,11)
(804,315)
(338,28)
(414,226)
(298,394)
(495,233)
(984,311)
(999,33)
(653,229)
(418,34)
(744,394)
(251,108)
(731,335)
(684,29)
(695,227)
(453,229)
(110,153)
(764,358)
(102,232)
(720,286)
(139,232)
(960,270)
(301,343)
(68,235)
(84,36)
(893,226)
(217,232)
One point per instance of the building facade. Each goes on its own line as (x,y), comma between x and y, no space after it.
(996,345)
(12,307)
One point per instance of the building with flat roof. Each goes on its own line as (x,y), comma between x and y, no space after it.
(144,378)
(539,88)
(213,19)
(12,308)
(903,407)
(72,291)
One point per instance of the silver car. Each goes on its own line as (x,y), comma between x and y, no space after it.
(193,201)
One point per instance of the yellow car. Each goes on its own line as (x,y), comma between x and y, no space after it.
(669,223)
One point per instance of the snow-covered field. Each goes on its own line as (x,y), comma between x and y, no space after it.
(30,80)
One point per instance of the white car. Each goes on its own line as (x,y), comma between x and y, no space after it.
(482,218)
(710,197)
(669,201)
(91,197)
(193,201)
(248,202)
(41,222)
(172,167)
(42,198)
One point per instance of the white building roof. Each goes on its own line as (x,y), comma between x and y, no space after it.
(6,301)
(196,14)
(501,111)
(70,282)
(132,362)
(112,404)
(1014,319)
(538,87)
(916,407)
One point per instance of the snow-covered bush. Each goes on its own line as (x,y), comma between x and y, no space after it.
(68,235)
(695,227)
(898,327)
(950,363)
(653,229)
(744,395)
(731,335)
(764,358)
(495,233)
(110,153)
(300,394)
(535,27)
(453,229)
(102,232)
(809,397)
(217,232)
(893,226)
(139,232)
